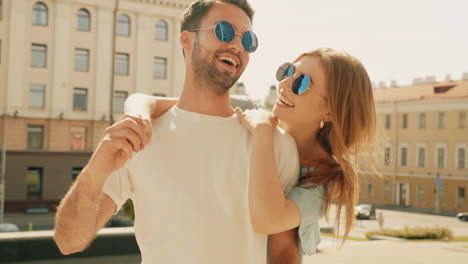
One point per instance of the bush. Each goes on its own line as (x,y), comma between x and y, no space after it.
(439,233)
(128,210)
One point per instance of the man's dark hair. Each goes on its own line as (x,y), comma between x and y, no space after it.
(198,9)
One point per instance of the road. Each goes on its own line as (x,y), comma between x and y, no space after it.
(398,220)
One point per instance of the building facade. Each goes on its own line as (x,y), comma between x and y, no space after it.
(422,151)
(66,68)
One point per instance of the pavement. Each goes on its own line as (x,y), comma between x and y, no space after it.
(34,221)
(381,251)
(390,252)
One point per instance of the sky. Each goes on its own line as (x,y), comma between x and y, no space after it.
(395,40)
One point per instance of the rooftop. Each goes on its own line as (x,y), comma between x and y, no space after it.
(428,91)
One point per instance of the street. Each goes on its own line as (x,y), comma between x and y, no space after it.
(398,220)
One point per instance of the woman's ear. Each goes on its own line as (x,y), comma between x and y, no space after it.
(327,117)
(186,41)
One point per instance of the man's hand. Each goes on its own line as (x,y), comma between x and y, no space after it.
(128,135)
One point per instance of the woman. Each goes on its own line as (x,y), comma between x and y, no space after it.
(325,102)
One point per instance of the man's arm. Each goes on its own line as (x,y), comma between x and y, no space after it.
(85,209)
(283,248)
(81,214)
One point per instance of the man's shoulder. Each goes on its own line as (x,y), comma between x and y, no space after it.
(243,102)
(284,139)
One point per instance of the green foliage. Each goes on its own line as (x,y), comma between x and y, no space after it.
(128,210)
(417,233)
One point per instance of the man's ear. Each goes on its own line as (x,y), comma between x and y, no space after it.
(186,38)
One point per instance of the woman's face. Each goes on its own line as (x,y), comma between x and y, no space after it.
(308,108)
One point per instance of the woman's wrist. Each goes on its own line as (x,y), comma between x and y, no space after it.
(263,133)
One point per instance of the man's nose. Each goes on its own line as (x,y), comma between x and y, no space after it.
(236,43)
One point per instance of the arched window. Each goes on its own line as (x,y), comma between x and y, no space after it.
(161,30)
(123,25)
(40,14)
(83,20)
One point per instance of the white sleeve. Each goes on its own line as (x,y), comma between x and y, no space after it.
(287,159)
(118,187)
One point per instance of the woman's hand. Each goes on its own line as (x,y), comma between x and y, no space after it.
(257,119)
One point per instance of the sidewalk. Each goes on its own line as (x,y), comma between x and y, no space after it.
(390,252)
(38,221)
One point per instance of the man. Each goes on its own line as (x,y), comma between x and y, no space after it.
(190,185)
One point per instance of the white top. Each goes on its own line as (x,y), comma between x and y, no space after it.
(190,190)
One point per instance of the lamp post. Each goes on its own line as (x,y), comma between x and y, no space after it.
(114,31)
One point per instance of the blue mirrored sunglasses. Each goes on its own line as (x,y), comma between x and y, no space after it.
(301,82)
(225,32)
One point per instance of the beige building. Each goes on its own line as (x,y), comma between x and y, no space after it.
(271,98)
(64,77)
(423,147)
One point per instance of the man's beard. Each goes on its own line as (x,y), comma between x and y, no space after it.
(208,75)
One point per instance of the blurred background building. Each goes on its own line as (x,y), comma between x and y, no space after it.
(271,98)
(66,68)
(423,153)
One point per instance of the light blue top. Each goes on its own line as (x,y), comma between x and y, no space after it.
(310,202)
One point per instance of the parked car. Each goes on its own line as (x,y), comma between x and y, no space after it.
(365,211)
(8,227)
(463,216)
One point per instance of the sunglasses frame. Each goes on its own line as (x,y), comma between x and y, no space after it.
(286,73)
(235,34)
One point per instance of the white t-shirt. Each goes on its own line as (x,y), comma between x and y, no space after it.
(190,190)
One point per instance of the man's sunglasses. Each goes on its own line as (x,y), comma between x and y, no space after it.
(301,82)
(225,32)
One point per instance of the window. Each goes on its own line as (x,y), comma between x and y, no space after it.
(160,68)
(37,95)
(76,172)
(440,158)
(78,138)
(40,13)
(461,158)
(119,101)
(370,189)
(387,122)
(404,156)
(34,183)
(386,190)
(81,60)
(420,193)
(80,99)
(161,30)
(38,55)
(387,156)
(441,120)
(35,137)
(422,121)
(123,25)
(83,20)
(421,156)
(404,121)
(462,119)
(121,63)
(460,197)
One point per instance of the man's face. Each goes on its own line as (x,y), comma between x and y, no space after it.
(219,65)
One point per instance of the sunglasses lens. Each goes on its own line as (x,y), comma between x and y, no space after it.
(283,71)
(301,84)
(224,31)
(249,41)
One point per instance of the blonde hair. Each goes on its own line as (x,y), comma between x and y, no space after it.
(352,112)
